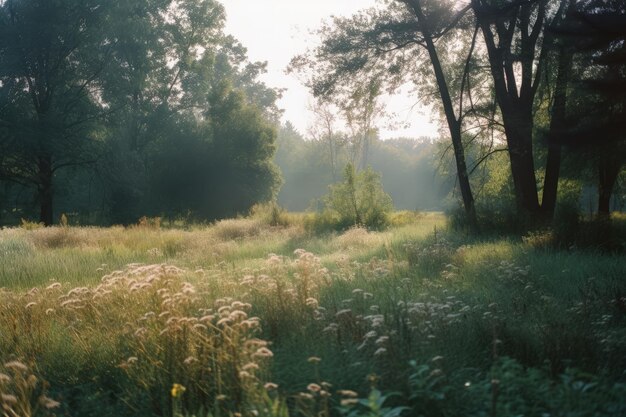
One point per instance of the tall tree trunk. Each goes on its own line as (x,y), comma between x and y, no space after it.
(331,149)
(454,124)
(366,150)
(515,61)
(608,172)
(45,190)
(557,125)
(551,181)
(518,129)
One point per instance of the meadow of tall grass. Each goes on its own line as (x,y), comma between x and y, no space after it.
(256,317)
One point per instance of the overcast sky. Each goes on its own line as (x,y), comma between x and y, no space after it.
(276,30)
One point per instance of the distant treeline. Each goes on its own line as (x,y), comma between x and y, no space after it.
(409,169)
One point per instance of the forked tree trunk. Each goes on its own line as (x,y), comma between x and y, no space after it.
(516,75)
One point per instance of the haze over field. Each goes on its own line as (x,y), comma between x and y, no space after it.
(173,244)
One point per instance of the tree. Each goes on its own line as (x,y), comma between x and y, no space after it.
(359,200)
(324,130)
(564,61)
(387,44)
(150,95)
(191,116)
(518,44)
(360,112)
(51,54)
(597,125)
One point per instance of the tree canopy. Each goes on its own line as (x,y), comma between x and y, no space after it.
(148,101)
(503,75)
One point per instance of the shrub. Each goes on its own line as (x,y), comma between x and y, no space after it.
(357,201)
(271,214)
(231,229)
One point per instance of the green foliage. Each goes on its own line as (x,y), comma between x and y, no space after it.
(375,405)
(357,201)
(180,127)
(361,303)
(272,214)
(510,389)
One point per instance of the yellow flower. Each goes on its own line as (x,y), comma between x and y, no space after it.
(177,390)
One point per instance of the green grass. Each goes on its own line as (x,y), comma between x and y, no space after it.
(114,337)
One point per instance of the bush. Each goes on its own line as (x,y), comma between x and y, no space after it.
(231,229)
(271,214)
(510,389)
(357,201)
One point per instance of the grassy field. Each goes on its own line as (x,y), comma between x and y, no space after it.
(243,318)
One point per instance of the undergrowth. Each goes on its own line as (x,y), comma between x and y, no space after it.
(259,319)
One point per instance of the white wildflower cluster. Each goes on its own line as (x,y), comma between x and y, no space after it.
(432,256)
(510,272)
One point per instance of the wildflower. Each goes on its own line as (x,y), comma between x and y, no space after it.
(132,359)
(249,366)
(380,351)
(382,340)
(48,403)
(347,393)
(314,359)
(238,305)
(314,387)
(224,310)
(8,399)
(208,317)
(332,327)
(225,321)
(311,302)
(238,315)
(270,386)
(16,365)
(263,352)
(347,402)
(177,390)
(190,360)
(4,378)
